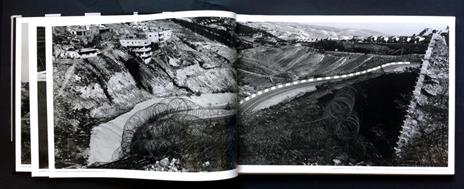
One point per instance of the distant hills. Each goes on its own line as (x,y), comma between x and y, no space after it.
(297,31)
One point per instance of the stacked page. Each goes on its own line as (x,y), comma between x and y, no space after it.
(206,95)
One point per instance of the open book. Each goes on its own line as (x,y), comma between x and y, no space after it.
(206,95)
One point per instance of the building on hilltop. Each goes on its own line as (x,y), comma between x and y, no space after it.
(141,43)
(134,42)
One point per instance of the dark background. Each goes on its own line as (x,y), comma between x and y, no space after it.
(10,179)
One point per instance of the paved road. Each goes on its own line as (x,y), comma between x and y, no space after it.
(106,137)
(249,103)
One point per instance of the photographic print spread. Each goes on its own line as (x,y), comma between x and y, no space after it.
(205,95)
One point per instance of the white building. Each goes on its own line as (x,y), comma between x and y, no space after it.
(88,52)
(82,53)
(160,36)
(134,42)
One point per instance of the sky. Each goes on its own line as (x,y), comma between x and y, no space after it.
(389,28)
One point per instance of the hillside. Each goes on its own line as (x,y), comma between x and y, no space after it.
(265,66)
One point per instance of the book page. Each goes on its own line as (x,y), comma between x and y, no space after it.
(147,96)
(346,94)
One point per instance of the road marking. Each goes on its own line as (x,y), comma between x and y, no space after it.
(323,78)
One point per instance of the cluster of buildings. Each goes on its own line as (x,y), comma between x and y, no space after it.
(394,39)
(371,39)
(140,42)
(88,30)
(79,33)
(308,39)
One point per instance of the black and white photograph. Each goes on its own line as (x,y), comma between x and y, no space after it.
(157,95)
(25,125)
(42,144)
(343,93)
(23,71)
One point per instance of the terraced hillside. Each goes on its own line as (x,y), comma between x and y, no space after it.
(265,66)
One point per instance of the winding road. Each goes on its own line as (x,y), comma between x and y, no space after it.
(105,140)
(250,103)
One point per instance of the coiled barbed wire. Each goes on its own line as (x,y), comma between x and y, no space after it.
(156,112)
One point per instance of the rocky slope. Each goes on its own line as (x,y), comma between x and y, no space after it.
(424,137)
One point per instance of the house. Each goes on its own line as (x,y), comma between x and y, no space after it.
(140,43)
(71,54)
(134,42)
(81,31)
(81,53)
(88,52)
(382,39)
(157,37)
(405,39)
(307,39)
(357,38)
(419,39)
(103,29)
(371,39)
(140,47)
(144,53)
(164,35)
(394,39)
